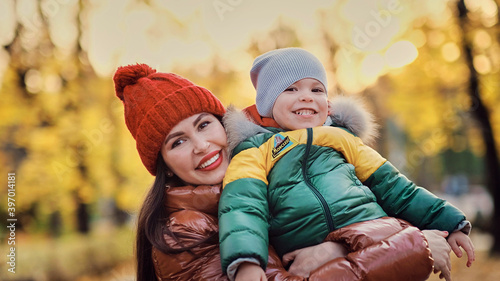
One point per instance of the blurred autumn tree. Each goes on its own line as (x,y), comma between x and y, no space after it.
(59,121)
(480,111)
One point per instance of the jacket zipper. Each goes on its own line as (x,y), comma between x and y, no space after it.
(326,208)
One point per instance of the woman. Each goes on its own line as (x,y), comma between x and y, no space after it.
(180,139)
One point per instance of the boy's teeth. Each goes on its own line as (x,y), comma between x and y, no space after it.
(304,112)
(210,161)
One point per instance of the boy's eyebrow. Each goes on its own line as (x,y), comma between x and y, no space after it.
(319,84)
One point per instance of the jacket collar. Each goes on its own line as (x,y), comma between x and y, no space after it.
(252,112)
(203,198)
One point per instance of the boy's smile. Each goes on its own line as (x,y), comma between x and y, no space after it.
(304,104)
(305,112)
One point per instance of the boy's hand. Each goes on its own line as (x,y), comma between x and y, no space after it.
(248,271)
(459,239)
(308,259)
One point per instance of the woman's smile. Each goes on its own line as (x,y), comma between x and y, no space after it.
(214,161)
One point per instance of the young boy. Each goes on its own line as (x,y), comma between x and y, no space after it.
(297,182)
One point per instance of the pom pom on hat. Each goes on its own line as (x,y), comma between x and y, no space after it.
(276,70)
(128,75)
(155,102)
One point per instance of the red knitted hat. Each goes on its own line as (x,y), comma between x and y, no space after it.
(155,102)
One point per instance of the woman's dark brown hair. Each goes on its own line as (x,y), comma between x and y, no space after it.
(152,222)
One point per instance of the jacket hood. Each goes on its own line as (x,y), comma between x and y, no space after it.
(348,112)
(352,114)
(239,127)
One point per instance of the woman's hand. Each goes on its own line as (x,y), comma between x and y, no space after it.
(440,250)
(459,239)
(308,259)
(248,271)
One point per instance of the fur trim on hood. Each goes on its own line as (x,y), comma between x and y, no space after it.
(352,114)
(347,112)
(239,127)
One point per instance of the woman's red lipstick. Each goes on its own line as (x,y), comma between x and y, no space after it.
(213,165)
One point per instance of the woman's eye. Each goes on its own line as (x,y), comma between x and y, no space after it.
(203,125)
(177,142)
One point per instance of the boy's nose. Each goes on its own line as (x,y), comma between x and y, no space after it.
(305,96)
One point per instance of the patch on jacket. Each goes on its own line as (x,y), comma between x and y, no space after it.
(282,144)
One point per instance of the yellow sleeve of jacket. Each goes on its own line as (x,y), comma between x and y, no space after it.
(364,159)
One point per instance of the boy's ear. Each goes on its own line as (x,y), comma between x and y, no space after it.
(329,108)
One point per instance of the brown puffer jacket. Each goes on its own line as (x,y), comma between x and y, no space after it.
(384,249)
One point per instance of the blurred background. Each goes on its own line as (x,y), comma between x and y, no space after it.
(428,70)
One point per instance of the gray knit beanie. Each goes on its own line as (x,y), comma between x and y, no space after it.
(276,70)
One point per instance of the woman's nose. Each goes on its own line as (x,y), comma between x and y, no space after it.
(200,146)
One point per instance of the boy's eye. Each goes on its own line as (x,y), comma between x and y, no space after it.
(289,89)
(317,90)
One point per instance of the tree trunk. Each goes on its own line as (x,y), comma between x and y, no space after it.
(82,215)
(481,114)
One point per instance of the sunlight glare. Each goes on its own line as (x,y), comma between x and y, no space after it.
(417,37)
(4,63)
(482,64)
(30,18)
(348,76)
(435,38)
(482,39)
(7,22)
(34,81)
(373,27)
(487,8)
(400,54)
(372,65)
(106,35)
(438,13)
(180,11)
(137,39)
(450,52)
(63,27)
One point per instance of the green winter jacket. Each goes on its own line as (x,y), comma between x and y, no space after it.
(291,189)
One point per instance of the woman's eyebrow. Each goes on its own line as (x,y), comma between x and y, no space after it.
(197,120)
(171,136)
